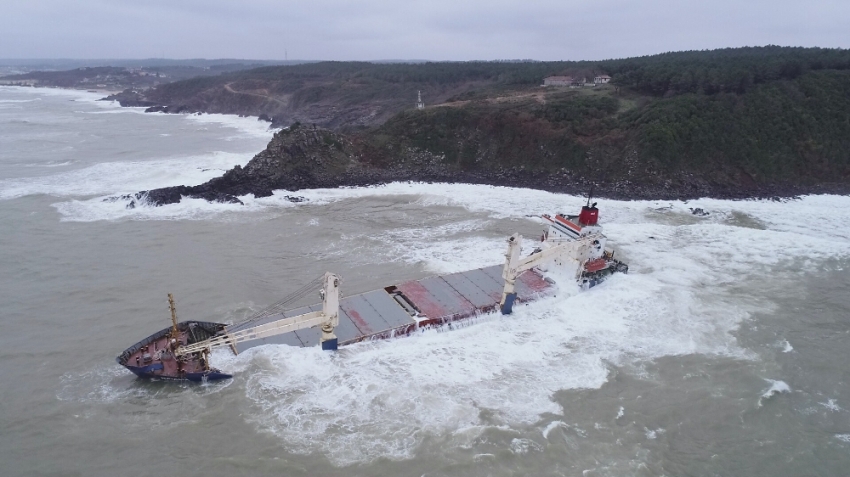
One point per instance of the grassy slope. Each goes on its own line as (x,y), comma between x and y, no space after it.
(731,118)
(794,131)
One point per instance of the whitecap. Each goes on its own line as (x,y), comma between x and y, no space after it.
(524,446)
(552,426)
(776,387)
(124,177)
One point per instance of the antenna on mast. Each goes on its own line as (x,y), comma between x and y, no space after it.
(590,195)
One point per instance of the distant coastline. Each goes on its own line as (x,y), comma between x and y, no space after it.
(731,123)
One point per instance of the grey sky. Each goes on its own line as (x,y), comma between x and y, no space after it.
(415,29)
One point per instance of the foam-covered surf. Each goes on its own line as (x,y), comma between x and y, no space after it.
(98,149)
(111,178)
(382,399)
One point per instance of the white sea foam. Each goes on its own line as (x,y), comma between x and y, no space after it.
(245,126)
(46,164)
(438,248)
(524,446)
(381,399)
(843,437)
(776,387)
(124,177)
(117,110)
(248,126)
(75,94)
(626,222)
(19,100)
(786,346)
(552,426)
(389,395)
(831,405)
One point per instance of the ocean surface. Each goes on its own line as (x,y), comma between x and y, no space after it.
(724,351)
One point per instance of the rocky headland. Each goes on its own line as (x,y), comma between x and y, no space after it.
(308,157)
(734,123)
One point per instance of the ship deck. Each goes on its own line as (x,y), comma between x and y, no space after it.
(401,309)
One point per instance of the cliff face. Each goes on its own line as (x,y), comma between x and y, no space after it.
(776,123)
(295,158)
(305,157)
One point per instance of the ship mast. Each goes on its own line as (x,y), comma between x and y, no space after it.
(174,331)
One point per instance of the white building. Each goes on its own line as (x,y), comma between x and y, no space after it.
(601,79)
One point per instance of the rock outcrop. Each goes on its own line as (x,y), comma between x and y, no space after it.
(306,157)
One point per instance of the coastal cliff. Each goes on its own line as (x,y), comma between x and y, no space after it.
(726,123)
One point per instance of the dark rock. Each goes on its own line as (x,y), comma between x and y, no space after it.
(307,157)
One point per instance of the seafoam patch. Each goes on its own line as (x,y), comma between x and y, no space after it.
(776,387)
(683,296)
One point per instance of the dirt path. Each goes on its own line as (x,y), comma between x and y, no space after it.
(538,96)
(264,96)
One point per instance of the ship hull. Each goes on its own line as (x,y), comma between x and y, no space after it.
(149,372)
(151,357)
(394,311)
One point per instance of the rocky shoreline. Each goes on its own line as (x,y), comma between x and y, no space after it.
(308,157)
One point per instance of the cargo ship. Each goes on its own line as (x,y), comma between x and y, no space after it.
(573,244)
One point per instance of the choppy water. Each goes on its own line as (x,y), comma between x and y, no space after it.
(723,352)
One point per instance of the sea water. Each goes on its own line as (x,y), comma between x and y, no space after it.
(722,352)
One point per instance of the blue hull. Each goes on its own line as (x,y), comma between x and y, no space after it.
(148,372)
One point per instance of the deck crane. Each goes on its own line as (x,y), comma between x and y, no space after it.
(327,319)
(573,242)
(571,254)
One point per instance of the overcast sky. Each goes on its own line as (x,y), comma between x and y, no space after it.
(411,29)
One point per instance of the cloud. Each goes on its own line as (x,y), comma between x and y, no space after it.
(438,29)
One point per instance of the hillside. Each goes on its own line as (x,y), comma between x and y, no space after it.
(340,95)
(730,123)
(121,75)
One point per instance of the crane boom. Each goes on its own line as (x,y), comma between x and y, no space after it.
(574,251)
(328,319)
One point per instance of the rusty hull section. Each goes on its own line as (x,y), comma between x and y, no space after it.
(401,309)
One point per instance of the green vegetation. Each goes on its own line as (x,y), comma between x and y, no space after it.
(730,70)
(794,131)
(707,72)
(778,130)
(731,117)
